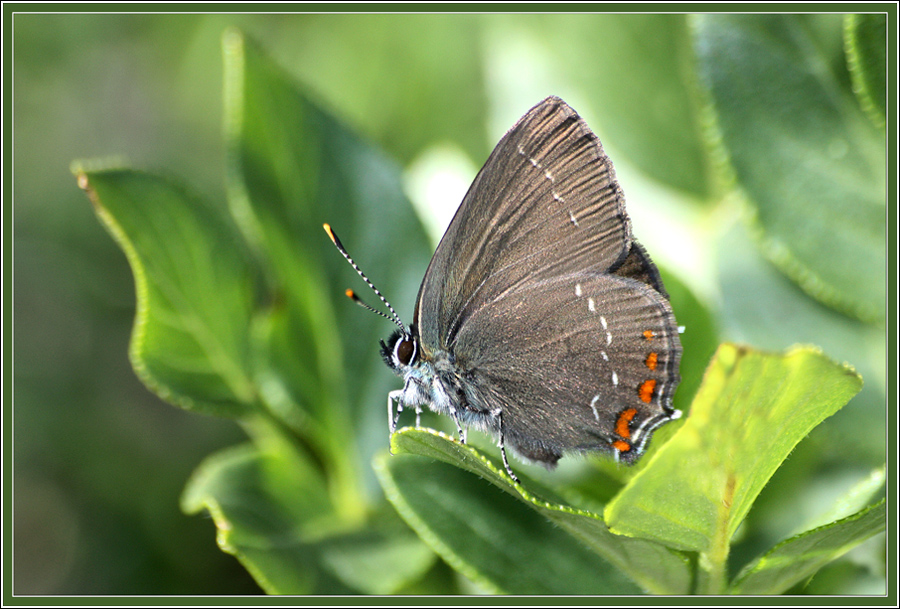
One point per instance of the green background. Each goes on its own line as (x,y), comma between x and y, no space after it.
(100,462)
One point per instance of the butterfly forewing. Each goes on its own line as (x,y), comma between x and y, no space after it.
(545,203)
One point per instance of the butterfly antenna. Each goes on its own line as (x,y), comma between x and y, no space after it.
(352,295)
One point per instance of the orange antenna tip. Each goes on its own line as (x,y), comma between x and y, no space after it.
(335,240)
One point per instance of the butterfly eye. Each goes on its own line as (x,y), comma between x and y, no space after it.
(405,350)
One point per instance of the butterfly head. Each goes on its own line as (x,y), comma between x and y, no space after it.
(401,351)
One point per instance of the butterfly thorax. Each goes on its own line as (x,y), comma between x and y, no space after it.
(432,379)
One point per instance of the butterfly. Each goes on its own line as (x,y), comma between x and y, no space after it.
(540,319)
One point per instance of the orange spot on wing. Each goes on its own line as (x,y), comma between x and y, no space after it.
(621,446)
(646,390)
(622,422)
(648,334)
(651,361)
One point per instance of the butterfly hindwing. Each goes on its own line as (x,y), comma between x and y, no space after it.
(593,368)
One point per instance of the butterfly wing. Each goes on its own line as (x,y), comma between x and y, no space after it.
(545,203)
(592,368)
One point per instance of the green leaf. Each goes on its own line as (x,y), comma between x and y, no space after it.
(490,537)
(291,168)
(638,77)
(194,287)
(383,558)
(272,510)
(269,504)
(796,559)
(809,161)
(865,37)
(294,511)
(416,487)
(751,411)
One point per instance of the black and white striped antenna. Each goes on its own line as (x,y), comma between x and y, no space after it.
(352,295)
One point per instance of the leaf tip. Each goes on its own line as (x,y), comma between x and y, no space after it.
(82,179)
(844,368)
(232,39)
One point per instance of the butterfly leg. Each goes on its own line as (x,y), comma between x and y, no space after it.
(442,402)
(392,416)
(499,414)
(460,431)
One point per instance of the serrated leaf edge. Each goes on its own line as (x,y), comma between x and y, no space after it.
(855,67)
(759,564)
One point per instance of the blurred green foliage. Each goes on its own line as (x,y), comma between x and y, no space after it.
(100,462)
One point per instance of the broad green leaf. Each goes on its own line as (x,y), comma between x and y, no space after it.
(490,537)
(865,37)
(798,558)
(292,167)
(801,150)
(384,558)
(268,503)
(751,411)
(194,287)
(652,566)
(638,77)
(272,510)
